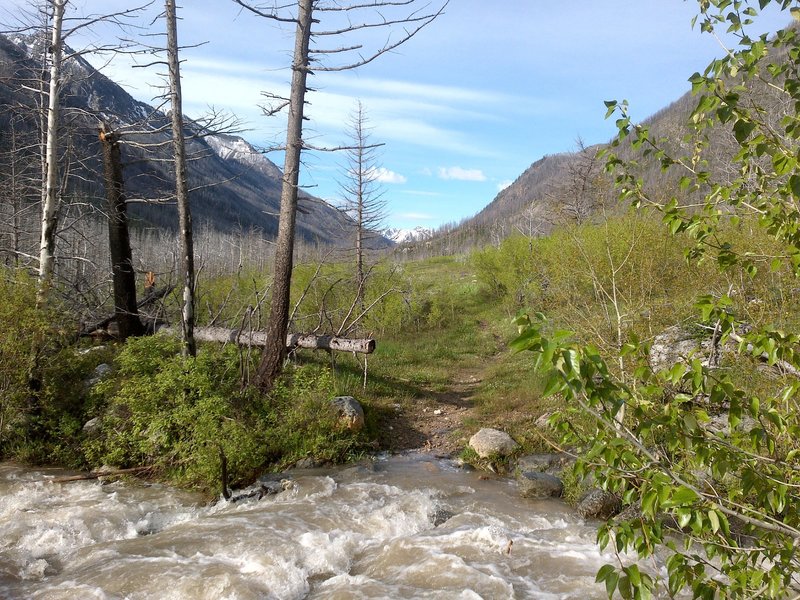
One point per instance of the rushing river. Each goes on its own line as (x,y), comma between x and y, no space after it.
(400,527)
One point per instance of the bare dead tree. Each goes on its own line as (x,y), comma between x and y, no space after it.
(123,275)
(363,200)
(51,183)
(583,191)
(181,183)
(347,21)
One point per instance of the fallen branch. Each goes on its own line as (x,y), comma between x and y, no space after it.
(99,474)
(149,299)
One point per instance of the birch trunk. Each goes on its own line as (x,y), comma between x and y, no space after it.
(50,189)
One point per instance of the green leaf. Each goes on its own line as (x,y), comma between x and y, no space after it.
(683,495)
(742,130)
(554,385)
(713,519)
(794,185)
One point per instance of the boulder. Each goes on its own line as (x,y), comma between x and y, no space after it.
(309,462)
(543,463)
(92,426)
(440,515)
(630,513)
(539,485)
(100,371)
(598,504)
(492,443)
(350,412)
(674,345)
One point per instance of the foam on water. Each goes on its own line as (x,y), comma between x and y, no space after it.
(360,532)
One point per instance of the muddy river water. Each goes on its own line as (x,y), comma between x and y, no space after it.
(408,526)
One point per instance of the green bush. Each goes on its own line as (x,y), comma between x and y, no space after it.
(39,423)
(179,414)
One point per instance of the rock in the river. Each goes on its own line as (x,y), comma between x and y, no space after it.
(309,462)
(492,443)
(598,504)
(440,515)
(539,485)
(350,412)
(630,513)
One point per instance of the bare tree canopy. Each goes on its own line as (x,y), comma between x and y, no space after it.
(329,36)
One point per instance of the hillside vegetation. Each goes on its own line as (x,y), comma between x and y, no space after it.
(551,331)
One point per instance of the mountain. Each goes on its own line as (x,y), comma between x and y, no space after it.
(235,188)
(406,236)
(572,186)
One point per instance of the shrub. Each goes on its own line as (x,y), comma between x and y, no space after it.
(179,414)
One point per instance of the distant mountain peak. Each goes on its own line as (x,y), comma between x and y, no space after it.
(232,147)
(407,236)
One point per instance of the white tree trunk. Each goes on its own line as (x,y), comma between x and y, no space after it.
(50,189)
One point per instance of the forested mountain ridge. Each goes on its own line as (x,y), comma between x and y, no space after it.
(234,186)
(570,187)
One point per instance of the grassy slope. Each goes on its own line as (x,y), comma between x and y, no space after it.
(571,276)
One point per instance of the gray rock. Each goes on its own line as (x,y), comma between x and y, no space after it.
(100,372)
(308,462)
(350,412)
(720,423)
(598,504)
(91,426)
(492,443)
(630,512)
(539,485)
(543,463)
(674,345)
(440,515)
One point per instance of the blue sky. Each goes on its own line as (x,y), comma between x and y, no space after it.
(463,108)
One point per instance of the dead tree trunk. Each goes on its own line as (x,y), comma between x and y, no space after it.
(50,187)
(181,183)
(278,321)
(126,312)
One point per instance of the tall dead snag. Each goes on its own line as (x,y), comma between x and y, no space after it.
(363,200)
(126,312)
(275,350)
(347,20)
(181,185)
(50,189)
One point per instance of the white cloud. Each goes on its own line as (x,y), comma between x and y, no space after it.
(384,175)
(503,185)
(459,174)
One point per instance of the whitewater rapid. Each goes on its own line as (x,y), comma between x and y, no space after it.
(394,527)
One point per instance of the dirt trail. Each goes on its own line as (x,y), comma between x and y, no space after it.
(434,422)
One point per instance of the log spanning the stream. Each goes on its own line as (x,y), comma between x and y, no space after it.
(293,340)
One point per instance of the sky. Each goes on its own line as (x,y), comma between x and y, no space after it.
(462,109)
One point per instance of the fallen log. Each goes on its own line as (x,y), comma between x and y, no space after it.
(293,340)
